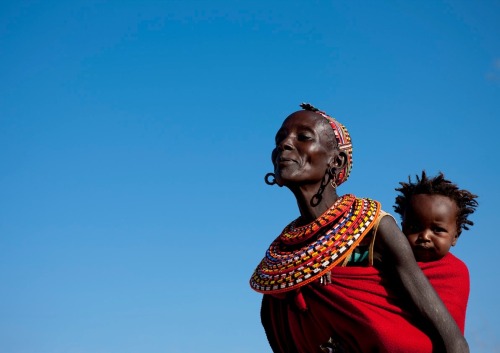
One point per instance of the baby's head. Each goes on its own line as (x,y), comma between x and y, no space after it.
(434,211)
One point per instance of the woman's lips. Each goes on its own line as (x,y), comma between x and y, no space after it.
(286,160)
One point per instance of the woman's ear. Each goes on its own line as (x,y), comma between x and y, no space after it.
(340,160)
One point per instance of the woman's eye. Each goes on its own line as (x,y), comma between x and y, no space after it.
(304,137)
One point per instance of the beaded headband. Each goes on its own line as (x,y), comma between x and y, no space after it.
(343,141)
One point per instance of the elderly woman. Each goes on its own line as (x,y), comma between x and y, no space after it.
(342,277)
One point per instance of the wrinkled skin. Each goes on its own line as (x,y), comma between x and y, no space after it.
(305,152)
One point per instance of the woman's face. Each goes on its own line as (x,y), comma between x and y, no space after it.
(303,149)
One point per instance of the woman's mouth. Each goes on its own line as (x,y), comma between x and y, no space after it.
(286,160)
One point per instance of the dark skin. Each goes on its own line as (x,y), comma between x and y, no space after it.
(305,152)
(430,224)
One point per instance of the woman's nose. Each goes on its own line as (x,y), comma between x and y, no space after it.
(286,144)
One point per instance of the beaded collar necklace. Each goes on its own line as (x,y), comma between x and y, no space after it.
(294,235)
(288,265)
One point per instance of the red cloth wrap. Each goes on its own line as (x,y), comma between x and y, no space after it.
(361,311)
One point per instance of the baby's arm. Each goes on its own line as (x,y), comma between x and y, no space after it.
(397,251)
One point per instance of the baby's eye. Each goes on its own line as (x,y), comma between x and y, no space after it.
(410,228)
(438,230)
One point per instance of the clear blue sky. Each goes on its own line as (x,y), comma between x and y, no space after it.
(134,138)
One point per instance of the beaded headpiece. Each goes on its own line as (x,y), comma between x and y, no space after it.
(343,141)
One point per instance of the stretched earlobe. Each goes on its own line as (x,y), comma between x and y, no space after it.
(272,181)
(332,172)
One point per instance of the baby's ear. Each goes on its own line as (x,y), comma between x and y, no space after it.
(454,242)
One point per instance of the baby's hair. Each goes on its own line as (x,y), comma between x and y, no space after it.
(438,185)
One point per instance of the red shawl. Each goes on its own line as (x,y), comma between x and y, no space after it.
(361,311)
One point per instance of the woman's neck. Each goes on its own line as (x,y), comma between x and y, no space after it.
(311,205)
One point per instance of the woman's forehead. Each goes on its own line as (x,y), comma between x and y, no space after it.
(304,119)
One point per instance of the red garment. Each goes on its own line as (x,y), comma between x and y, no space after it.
(361,311)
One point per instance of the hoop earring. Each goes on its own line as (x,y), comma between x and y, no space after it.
(270,182)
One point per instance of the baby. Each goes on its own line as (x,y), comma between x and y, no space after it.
(434,211)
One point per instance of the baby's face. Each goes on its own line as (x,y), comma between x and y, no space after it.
(430,224)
